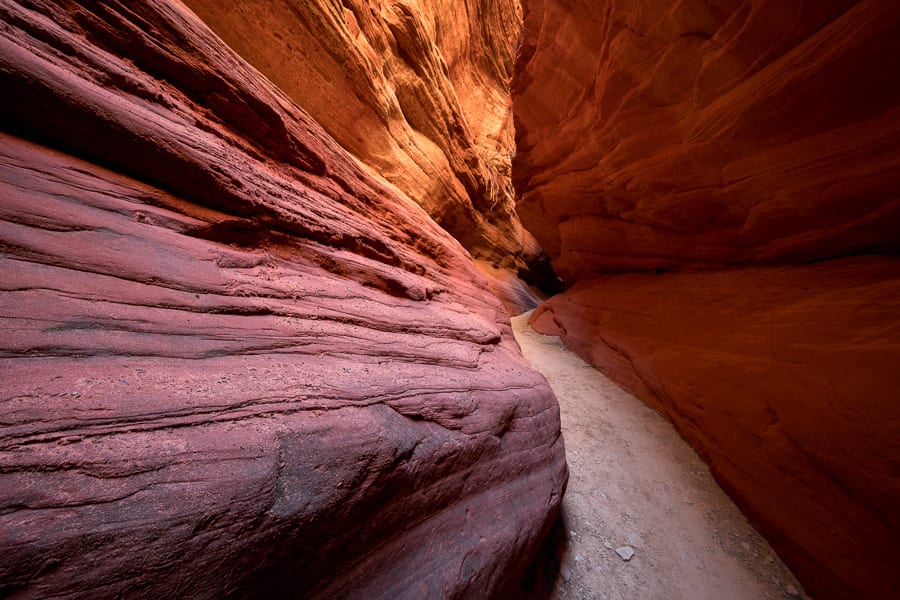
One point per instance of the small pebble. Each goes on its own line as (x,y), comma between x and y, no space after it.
(566,573)
(625,552)
(634,539)
(791,591)
(607,545)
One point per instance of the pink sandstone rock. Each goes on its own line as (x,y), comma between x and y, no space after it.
(233,363)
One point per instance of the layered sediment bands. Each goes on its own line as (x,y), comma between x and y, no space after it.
(417,91)
(710,136)
(234,364)
(658,134)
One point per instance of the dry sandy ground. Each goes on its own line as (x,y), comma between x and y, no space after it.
(634,482)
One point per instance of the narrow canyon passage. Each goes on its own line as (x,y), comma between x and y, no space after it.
(257,260)
(636,486)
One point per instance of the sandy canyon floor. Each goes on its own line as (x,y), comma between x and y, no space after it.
(637,491)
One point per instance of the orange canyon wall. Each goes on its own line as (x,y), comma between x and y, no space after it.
(417,91)
(721,183)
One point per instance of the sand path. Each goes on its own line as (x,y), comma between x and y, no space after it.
(635,483)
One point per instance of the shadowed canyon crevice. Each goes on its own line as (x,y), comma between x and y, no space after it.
(720,183)
(258,258)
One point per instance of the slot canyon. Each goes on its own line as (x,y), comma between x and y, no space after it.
(258,263)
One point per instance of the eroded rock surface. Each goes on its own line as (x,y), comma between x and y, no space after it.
(418,91)
(659,136)
(235,364)
(785,379)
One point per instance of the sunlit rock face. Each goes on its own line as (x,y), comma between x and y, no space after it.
(418,91)
(714,136)
(234,363)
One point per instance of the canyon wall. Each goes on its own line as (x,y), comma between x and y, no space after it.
(235,363)
(721,183)
(417,90)
(653,136)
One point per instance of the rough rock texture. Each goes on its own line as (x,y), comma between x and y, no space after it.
(658,133)
(417,90)
(233,363)
(689,135)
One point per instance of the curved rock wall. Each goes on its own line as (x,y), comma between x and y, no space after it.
(785,380)
(692,136)
(234,363)
(418,91)
(657,134)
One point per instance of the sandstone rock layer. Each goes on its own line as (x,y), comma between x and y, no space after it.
(418,91)
(235,364)
(785,379)
(658,136)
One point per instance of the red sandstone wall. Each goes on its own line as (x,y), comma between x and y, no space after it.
(785,379)
(657,134)
(701,136)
